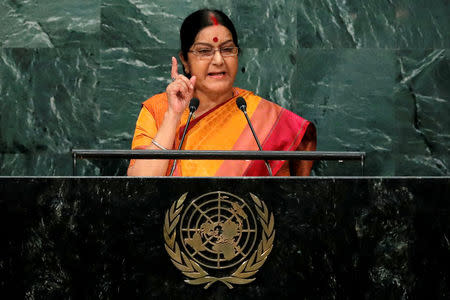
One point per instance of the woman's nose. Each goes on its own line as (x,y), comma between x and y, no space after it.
(217,58)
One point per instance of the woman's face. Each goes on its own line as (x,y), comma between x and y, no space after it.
(215,75)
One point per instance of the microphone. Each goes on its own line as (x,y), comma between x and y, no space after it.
(242,105)
(193,105)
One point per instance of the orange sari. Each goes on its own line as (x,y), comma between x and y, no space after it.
(225,128)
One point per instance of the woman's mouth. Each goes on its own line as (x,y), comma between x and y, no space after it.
(216,75)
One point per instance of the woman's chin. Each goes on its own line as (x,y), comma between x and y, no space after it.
(218,88)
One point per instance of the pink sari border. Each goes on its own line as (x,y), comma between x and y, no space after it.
(284,136)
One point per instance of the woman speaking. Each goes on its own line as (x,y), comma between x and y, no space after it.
(209,57)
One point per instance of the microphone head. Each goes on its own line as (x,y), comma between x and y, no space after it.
(193,104)
(241,104)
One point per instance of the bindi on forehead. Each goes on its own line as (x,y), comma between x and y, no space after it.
(216,23)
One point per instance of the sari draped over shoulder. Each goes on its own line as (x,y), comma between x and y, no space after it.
(225,128)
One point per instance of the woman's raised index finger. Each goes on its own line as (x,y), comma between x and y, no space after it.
(174,72)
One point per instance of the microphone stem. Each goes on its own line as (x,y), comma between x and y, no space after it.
(269,169)
(182,140)
(185,129)
(253,131)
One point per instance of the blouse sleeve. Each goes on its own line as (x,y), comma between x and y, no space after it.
(145,130)
(309,143)
(144,133)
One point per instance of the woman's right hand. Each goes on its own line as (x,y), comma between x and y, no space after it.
(179,94)
(180,91)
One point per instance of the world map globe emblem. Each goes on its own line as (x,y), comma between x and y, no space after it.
(216,238)
(218,230)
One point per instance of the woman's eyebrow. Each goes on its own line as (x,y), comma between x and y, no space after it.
(209,45)
(226,42)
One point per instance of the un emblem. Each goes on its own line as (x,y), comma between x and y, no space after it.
(218,232)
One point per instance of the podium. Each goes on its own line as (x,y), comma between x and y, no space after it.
(112,237)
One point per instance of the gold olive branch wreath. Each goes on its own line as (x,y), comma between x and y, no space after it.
(195,272)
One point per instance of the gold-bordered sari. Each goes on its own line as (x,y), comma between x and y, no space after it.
(225,128)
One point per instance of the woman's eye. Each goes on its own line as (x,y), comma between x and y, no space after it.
(204,51)
(227,50)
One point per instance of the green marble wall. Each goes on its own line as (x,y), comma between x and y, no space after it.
(372,75)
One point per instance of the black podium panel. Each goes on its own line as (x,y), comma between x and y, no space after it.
(338,238)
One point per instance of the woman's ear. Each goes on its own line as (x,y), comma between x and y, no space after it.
(184,62)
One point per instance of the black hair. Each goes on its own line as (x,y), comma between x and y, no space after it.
(198,20)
